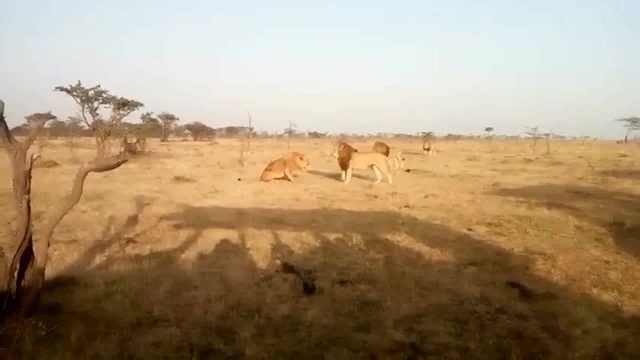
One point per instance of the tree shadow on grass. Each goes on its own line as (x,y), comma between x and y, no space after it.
(618,212)
(388,286)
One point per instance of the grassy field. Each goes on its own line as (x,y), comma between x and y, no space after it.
(486,250)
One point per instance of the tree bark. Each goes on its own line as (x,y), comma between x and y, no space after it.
(35,280)
(27,269)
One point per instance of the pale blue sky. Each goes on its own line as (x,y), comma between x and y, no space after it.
(341,66)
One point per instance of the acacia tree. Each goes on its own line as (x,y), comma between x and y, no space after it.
(75,126)
(168,122)
(27,268)
(91,101)
(150,125)
(488,130)
(427,138)
(548,136)
(290,130)
(199,130)
(631,124)
(534,134)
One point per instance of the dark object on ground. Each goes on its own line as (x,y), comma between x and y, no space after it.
(524,291)
(307,278)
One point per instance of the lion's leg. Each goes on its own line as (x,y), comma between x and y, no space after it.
(389,178)
(348,175)
(343,175)
(378,175)
(287,173)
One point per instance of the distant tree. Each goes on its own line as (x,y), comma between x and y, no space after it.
(316,135)
(57,128)
(290,131)
(151,126)
(584,138)
(74,126)
(200,131)
(488,130)
(631,124)
(168,122)
(250,134)
(427,138)
(548,136)
(179,131)
(534,134)
(91,101)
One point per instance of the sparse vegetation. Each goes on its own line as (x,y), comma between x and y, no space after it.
(195,258)
(92,101)
(534,134)
(488,130)
(631,124)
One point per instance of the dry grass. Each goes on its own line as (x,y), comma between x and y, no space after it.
(485,251)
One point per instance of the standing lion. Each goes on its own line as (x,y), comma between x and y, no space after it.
(396,157)
(349,159)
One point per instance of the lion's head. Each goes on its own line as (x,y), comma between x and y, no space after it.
(343,152)
(301,161)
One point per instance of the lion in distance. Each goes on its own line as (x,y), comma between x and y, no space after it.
(283,167)
(349,158)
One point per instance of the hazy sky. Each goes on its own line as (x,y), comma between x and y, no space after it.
(340,66)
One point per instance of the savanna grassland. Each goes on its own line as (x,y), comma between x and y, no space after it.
(487,250)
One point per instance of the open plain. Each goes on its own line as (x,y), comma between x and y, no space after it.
(487,250)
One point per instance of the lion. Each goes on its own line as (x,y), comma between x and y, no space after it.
(428,149)
(381,148)
(283,167)
(349,159)
(396,158)
(345,152)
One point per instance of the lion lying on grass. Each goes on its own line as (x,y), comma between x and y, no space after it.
(283,167)
(349,158)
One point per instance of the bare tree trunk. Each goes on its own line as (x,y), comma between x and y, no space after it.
(250,131)
(548,146)
(165,134)
(27,269)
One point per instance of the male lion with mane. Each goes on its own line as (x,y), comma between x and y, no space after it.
(283,167)
(396,158)
(381,148)
(350,158)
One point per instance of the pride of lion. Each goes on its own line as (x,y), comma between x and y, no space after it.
(284,166)
(381,160)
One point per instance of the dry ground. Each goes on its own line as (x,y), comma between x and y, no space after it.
(174,255)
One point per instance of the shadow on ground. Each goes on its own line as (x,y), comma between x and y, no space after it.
(617,212)
(336,175)
(431,292)
(622,173)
